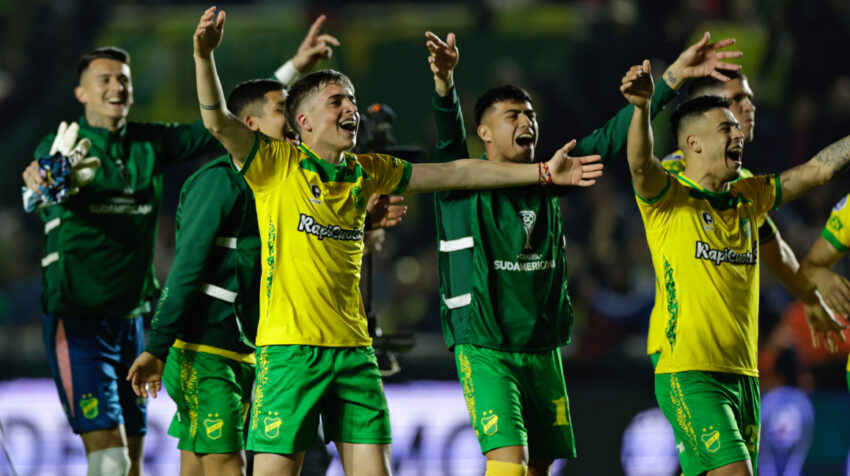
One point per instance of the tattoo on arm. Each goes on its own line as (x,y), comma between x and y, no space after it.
(671,78)
(836,156)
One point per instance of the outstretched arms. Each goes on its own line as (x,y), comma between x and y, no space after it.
(467,174)
(648,175)
(823,167)
(227,128)
(698,60)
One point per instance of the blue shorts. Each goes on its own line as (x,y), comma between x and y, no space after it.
(89,359)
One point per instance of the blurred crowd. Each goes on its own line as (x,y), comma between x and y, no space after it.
(796,61)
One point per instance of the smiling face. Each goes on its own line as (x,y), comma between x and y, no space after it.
(509,131)
(330,119)
(719,140)
(106,90)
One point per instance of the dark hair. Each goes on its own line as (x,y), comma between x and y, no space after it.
(249,92)
(709,86)
(309,86)
(499,94)
(108,52)
(694,107)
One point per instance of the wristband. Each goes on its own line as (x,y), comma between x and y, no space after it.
(544,177)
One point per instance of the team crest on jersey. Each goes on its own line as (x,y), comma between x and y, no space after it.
(707,221)
(835,223)
(528,218)
(357,195)
(711,439)
(317,192)
(272,425)
(88,404)
(213,426)
(838,206)
(490,423)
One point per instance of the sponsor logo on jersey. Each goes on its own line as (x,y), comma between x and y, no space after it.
(711,439)
(308,225)
(706,252)
(490,423)
(88,404)
(707,221)
(528,218)
(317,192)
(213,426)
(121,208)
(271,425)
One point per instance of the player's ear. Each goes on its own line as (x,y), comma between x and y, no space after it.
(484,133)
(694,143)
(251,122)
(303,122)
(80,94)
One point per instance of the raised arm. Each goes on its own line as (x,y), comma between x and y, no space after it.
(315,47)
(469,174)
(227,128)
(825,166)
(700,59)
(648,175)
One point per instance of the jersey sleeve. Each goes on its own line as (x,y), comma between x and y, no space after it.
(451,136)
(205,203)
(836,231)
(184,142)
(391,173)
(269,163)
(763,190)
(656,211)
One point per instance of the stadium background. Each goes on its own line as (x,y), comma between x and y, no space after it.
(570,56)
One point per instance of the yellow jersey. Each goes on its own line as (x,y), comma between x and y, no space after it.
(311,216)
(704,249)
(675,164)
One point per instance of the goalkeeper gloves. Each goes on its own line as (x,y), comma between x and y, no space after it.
(66,168)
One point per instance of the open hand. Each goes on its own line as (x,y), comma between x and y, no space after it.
(702,59)
(443,59)
(209,32)
(385,211)
(146,374)
(315,47)
(824,326)
(577,171)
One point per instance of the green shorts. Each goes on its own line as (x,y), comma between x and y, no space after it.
(517,399)
(715,417)
(297,383)
(213,394)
